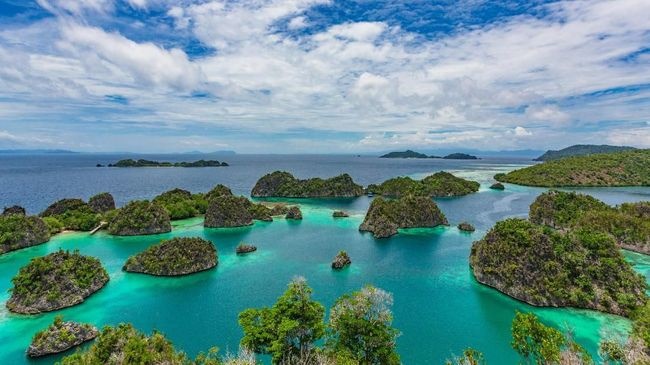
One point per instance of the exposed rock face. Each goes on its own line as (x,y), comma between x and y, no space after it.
(19,231)
(228,211)
(384,217)
(140,218)
(174,257)
(217,191)
(341,260)
(63,206)
(294,213)
(544,267)
(58,280)
(102,202)
(14,209)
(340,214)
(243,248)
(59,337)
(283,184)
(497,186)
(464,226)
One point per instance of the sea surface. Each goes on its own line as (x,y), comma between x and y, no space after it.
(438,306)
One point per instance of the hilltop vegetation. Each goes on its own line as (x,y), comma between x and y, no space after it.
(149,163)
(439,184)
(19,231)
(283,184)
(385,217)
(630,168)
(177,256)
(406,154)
(73,214)
(60,336)
(581,150)
(460,156)
(140,217)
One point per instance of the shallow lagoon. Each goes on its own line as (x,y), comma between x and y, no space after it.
(439,308)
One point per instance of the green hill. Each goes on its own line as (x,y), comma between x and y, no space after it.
(581,150)
(629,168)
(405,154)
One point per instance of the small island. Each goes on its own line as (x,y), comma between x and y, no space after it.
(181,204)
(497,186)
(228,211)
(341,261)
(174,257)
(20,231)
(58,280)
(385,217)
(60,336)
(102,203)
(440,184)
(340,214)
(581,150)
(244,248)
(460,156)
(294,213)
(14,209)
(406,154)
(544,267)
(283,184)
(149,163)
(629,168)
(72,214)
(140,217)
(466,227)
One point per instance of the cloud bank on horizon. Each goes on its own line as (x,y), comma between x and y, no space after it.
(323,75)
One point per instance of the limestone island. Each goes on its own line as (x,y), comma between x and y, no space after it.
(466,227)
(628,224)
(283,184)
(140,217)
(60,336)
(340,214)
(497,186)
(58,280)
(384,216)
(181,204)
(71,214)
(174,257)
(244,248)
(544,267)
(148,163)
(102,202)
(406,154)
(629,168)
(581,150)
(14,209)
(460,156)
(293,213)
(440,184)
(341,260)
(20,231)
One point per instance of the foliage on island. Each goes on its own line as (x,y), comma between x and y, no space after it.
(406,154)
(60,336)
(630,168)
(19,231)
(340,214)
(181,204)
(385,216)
(174,257)
(228,211)
(149,163)
(73,214)
(283,184)
(140,217)
(294,213)
(497,186)
(102,202)
(244,248)
(58,280)
(466,227)
(581,150)
(460,156)
(14,209)
(217,191)
(341,260)
(544,267)
(440,184)
(628,224)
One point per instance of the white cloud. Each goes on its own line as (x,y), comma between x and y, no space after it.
(547,113)
(298,22)
(522,132)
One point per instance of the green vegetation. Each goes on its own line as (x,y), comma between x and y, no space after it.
(384,216)
(406,154)
(460,156)
(148,163)
(58,280)
(581,150)
(217,191)
(19,231)
(437,185)
(341,260)
(181,204)
(469,357)
(630,168)
(177,256)
(466,227)
(102,202)
(544,267)
(60,336)
(54,225)
(140,217)
(228,211)
(74,214)
(283,184)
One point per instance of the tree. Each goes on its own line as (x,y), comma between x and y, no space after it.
(537,343)
(360,325)
(469,357)
(289,328)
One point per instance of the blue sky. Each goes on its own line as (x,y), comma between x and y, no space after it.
(323,75)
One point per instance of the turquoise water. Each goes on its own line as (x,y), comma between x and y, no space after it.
(439,308)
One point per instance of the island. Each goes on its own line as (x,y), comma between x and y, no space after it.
(149,163)
(545,267)
(102,202)
(58,280)
(497,186)
(14,209)
(60,336)
(628,224)
(20,231)
(581,150)
(440,184)
(385,217)
(340,214)
(181,204)
(283,184)
(140,217)
(174,257)
(466,227)
(406,154)
(629,168)
(293,213)
(244,248)
(460,156)
(228,211)
(217,191)
(341,261)
(72,214)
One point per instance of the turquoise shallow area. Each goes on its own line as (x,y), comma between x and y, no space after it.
(439,308)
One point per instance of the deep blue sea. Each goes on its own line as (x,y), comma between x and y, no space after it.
(438,306)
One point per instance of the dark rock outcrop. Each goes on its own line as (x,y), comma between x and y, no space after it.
(294,213)
(279,209)
(283,184)
(384,216)
(14,209)
(464,226)
(140,217)
(58,280)
(497,186)
(243,248)
(174,257)
(62,206)
(217,191)
(228,211)
(19,231)
(60,336)
(340,214)
(341,260)
(102,202)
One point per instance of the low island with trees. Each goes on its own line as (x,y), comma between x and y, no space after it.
(149,163)
(385,217)
(283,184)
(174,257)
(439,184)
(60,336)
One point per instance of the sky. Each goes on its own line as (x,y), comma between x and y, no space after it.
(323,76)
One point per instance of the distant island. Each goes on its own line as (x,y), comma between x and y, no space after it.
(581,150)
(34,152)
(460,156)
(149,163)
(406,154)
(284,184)
(629,168)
